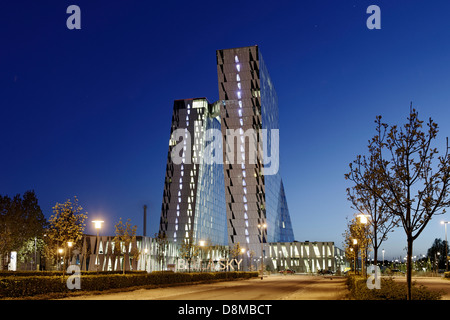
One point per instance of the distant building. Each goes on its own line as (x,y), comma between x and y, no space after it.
(306,257)
(300,257)
(239,196)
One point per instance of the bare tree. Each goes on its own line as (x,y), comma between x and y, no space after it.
(125,235)
(381,218)
(189,250)
(412,186)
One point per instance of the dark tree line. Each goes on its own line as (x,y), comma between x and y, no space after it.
(21,221)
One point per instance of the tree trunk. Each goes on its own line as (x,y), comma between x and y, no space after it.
(375,248)
(409,266)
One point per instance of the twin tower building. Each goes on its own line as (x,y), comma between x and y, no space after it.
(222,183)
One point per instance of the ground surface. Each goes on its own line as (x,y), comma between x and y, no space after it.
(432,283)
(275,287)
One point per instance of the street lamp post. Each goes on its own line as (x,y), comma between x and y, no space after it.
(446,244)
(202,244)
(69,244)
(354,260)
(355,243)
(145,259)
(98,226)
(60,251)
(363,218)
(242,252)
(35,256)
(382,251)
(262,227)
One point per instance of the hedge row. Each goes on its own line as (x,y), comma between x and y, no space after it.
(34,285)
(58,273)
(389,290)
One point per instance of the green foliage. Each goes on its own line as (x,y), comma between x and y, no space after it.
(188,250)
(14,285)
(67,222)
(125,235)
(21,219)
(390,290)
(437,252)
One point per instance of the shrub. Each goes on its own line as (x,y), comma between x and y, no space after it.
(23,286)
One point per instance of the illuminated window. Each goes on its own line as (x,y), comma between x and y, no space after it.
(238,94)
(236,59)
(238,67)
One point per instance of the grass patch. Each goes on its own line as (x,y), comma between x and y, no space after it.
(390,290)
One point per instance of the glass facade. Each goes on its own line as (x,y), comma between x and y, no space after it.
(210,211)
(277,212)
(194,193)
(239,197)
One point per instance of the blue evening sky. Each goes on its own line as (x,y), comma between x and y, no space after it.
(88,112)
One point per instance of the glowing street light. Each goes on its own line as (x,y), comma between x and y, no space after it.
(262,227)
(446,244)
(363,218)
(98,226)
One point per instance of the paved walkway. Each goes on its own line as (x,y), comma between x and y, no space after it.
(275,287)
